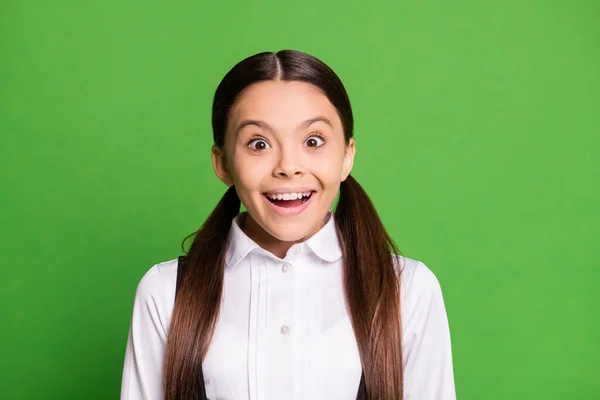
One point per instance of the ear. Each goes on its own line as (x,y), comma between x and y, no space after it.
(220,165)
(348,159)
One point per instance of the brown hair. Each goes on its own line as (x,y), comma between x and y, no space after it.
(371,283)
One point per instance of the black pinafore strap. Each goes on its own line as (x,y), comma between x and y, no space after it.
(362,389)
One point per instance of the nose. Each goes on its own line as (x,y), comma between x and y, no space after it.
(289,164)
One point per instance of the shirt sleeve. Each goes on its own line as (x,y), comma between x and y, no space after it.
(144,355)
(427,354)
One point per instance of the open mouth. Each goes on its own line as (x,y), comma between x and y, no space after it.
(289,200)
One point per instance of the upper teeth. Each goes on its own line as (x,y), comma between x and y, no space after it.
(287,196)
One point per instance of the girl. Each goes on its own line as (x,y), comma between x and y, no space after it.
(288,300)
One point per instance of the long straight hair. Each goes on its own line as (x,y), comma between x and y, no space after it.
(371,281)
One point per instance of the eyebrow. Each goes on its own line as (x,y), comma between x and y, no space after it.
(267,127)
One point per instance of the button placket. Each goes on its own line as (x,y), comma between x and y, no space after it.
(281,320)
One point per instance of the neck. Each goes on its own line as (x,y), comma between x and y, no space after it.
(267,241)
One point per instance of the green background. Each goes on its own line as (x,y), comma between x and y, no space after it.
(477,128)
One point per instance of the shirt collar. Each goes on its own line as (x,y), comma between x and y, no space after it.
(239,245)
(324,244)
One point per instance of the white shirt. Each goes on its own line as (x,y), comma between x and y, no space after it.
(283,330)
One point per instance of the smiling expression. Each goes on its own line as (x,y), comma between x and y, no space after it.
(286,154)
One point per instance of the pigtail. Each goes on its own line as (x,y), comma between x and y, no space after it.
(197,304)
(372,290)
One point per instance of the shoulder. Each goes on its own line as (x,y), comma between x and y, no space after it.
(158,283)
(416,278)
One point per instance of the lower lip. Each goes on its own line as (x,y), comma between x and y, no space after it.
(289,211)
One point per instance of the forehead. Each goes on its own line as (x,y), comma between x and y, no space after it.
(282,103)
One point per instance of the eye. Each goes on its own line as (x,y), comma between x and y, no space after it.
(314,141)
(258,144)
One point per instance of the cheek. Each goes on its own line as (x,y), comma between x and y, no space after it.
(329,169)
(246,180)
(248,172)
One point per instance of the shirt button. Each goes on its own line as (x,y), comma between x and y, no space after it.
(284,329)
(285,268)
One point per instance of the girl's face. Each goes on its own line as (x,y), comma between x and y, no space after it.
(286,154)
